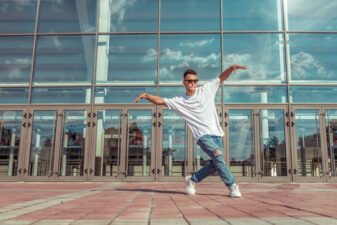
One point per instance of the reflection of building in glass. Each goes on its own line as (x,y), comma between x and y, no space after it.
(97,56)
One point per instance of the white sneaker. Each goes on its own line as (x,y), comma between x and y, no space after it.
(190,186)
(234,191)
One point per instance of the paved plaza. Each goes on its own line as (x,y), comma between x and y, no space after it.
(166,203)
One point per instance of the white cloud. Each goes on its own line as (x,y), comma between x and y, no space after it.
(151,55)
(197,43)
(19,5)
(20,64)
(304,65)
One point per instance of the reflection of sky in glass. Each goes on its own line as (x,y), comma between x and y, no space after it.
(122,94)
(313,57)
(263,54)
(127,59)
(128,15)
(15,59)
(200,52)
(307,124)
(64,59)
(252,15)
(59,95)
(310,94)
(171,92)
(312,15)
(190,15)
(67,16)
(14,95)
(271,94)
(17,16)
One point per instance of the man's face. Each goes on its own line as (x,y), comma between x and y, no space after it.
(190,82)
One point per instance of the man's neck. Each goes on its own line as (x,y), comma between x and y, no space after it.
(191,93)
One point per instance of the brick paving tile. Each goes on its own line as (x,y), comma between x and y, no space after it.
(151,203)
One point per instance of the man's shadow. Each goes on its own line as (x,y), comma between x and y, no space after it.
(164,191)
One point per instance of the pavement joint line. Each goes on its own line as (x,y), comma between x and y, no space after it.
(290,207)
(125,207)
(19,209)
(151,208)
(174,202)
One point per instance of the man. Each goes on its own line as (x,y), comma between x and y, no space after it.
(198,110)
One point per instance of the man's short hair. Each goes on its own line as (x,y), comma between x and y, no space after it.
(189,71)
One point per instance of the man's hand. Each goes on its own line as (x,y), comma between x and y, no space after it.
(236,67)
(225,74)
(142,95)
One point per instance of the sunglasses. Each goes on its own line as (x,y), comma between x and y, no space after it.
(192,81)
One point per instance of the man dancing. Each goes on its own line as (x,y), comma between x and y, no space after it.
(197,108)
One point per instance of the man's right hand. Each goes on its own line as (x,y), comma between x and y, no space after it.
(143,95)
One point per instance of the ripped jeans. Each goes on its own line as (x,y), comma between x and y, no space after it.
(212,146)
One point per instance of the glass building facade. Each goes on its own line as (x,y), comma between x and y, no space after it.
(71,69)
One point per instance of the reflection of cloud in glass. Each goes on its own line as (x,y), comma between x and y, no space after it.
(304,64)
(19,5)
(313,14)
(257,70)
(118,9)
(197,43)
(20,65)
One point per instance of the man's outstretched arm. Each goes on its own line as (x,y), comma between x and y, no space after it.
(225,74)
(154,99)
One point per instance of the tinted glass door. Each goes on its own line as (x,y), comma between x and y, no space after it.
(331,140)
(11,126)
(241,143)
(308,164)
(273,155)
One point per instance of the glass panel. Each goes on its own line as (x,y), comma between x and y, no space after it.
(331,133)
(15,59)
(43,143)
(312,15)
(263,54)
(190,15)
(67,16)
(10,136)
(127,59)
(255,15)
(309,155)
(123,16)
(272,143)
(271,94)
(73,143)
(67,95)
(241,143)
(313,58)
(171,92)
(139,143)
(14,96)
(17,16)
(122,94)
(179,52)
(108,143)
(64,59)
(310,94)
(174,155)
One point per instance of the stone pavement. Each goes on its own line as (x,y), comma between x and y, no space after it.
(166,203)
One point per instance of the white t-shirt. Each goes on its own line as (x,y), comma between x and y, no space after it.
(199,110)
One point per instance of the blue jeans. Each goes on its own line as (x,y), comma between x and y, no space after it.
(209,144)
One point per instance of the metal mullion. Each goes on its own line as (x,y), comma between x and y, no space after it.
(324,145)
(58,143)
(14,86)
(16,34)
(131,32)
(253,32)
(256,125)
(312,32)
(314,85)
(65,34)
(125,85)
(158,46)
(24,149)
(224,143)
(252,85)
(33,54)
(60,85)
(93,83)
